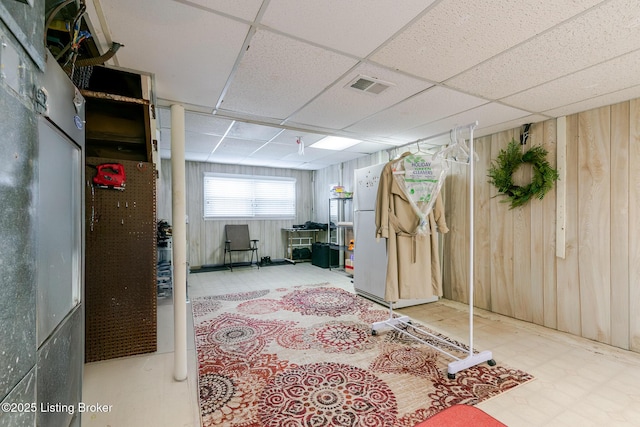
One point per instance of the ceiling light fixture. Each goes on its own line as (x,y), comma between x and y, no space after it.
(335,143)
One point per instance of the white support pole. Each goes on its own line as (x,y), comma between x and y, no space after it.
(472,232)
(179,214)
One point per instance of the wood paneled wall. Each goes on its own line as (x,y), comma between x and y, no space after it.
(594,291)
(205,238)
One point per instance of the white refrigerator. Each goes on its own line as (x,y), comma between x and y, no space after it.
(370,256)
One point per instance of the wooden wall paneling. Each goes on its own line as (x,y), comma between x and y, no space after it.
(502,292)
(536,241)
(456,214)
(521,279)
(594,227)
(304,197)
(634,226)
(347,175)
(568,278)
(195,211)
(206,252)
(548,232)
(323,180)
(482,225)
(210,252)
(620,225)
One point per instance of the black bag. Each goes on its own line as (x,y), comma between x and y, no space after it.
(301,253)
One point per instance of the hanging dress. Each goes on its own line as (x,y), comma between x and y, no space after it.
(413,262)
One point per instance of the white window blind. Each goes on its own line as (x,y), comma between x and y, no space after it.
(243,196)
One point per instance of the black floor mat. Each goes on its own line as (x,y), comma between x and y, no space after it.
(220,267)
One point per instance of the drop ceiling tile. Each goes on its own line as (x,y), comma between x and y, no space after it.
(312,166)
(486,115)
(591,38)
(206,123)
(225,158)
(246,9)
(599,101)
(195,142)
(356,27)
(456,35)
(589,83)
(278,75)
(290,136)
(428,106)
(275,151)
(310,155)
(338,157)
(238,147)
(368,147)
(252,161)
(200,143)
(195,121)
(162,40)
(341,106)
(252,131)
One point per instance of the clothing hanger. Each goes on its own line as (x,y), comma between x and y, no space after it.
(457,151)
(421,150)
(397,170)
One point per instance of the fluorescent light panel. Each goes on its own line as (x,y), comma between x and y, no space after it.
(335,143)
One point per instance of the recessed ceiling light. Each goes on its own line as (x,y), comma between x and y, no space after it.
(335,143)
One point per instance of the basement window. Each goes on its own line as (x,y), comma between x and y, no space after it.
(248,196)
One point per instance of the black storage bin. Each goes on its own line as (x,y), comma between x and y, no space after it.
(323,256)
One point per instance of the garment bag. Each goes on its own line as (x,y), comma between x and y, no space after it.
(420,176)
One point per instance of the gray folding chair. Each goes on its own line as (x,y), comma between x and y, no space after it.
(237,240)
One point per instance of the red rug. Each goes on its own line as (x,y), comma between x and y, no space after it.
(461,416)
(305,356)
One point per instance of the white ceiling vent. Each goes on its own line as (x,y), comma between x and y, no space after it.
(369,85)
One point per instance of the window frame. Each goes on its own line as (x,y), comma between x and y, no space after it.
(250,181)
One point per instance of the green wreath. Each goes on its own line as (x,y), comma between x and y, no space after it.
(508,162)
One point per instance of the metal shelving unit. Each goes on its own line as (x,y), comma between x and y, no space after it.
(336,237)
(165,268)
(299,238)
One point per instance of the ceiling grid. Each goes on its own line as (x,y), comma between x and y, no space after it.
(273,71)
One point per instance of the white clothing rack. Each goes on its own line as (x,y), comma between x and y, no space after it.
(402,323)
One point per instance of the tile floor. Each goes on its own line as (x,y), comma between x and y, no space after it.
(578,382)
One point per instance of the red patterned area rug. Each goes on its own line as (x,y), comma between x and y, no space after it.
(305,356)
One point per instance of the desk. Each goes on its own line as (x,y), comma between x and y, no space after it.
(299,238)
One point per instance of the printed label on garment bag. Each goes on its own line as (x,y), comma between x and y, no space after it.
(422,179)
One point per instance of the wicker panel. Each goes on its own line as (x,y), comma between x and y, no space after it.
(120,289)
